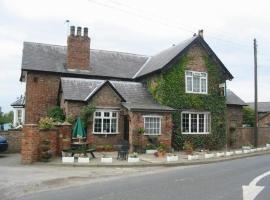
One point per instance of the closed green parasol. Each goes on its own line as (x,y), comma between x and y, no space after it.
(78,130)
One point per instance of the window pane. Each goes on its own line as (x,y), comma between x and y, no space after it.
(196,84)
(189,84)
(106,114)
(97,126)
(201,123)
(113,125)
(106,125)
(98,114)
(203,85)
(188,73)
(114,114)
(185,123)
(193,123)
(203,74)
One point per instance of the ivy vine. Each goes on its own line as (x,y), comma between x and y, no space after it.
(169,89)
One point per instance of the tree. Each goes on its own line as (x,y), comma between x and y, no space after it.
(6,117)
(248,116)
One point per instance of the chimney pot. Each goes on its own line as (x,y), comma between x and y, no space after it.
(200,33)
(79,31)
(85,32)
(72,30)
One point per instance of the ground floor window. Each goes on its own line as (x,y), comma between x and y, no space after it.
(195,122)
(105,122)
(152,125)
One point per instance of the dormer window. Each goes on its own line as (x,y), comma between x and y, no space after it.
(196,82)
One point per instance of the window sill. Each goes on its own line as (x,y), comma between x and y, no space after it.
(146,134)
(105,133)
(206,133)
(196,92)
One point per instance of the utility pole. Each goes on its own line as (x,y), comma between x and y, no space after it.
(255,95)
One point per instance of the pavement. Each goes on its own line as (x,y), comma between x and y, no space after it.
(215,181)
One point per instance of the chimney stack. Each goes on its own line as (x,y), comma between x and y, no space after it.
(200,33)
(78,49)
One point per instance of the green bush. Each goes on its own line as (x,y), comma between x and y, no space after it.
(87,113)
(46,123)
(56,113)
(248,116)
(70,119)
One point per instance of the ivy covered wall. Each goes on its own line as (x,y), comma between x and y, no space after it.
(168,88)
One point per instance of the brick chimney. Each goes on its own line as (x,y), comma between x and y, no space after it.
(78,49)
(200,33)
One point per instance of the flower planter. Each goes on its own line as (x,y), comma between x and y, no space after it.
(229,153)
(133,160)
(252,150)
(220,154)
(238,152)
(246,147)
(172,158)
(209,155)
(151,151)
(68,159)
(191,157)
(246,151)
(259,149)
(106,160)
(83,160)
(265,148)
(267,145)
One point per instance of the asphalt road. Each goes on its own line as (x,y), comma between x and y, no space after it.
(215,181)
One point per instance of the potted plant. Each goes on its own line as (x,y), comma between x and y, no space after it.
(133,158)
(151,149)
(106,159)
(172,157)
(188,147)
(161,150)
(246,146)
(83,159)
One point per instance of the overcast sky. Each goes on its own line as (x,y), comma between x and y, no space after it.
(143,27)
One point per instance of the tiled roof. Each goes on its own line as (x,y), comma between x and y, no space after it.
(19,102)
(233,99)
(106,64)
(262,106)
(134,94)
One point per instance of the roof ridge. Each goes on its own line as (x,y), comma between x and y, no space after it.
(65,46)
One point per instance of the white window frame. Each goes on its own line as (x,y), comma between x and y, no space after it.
(207,118)
(199,74)
(152,116)
(102,111)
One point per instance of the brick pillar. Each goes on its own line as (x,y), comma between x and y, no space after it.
(64,137)
(30,144)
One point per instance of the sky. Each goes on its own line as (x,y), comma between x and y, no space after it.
(143,27)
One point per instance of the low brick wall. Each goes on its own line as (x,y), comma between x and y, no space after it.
(32,137)
(14,140)
(246,135)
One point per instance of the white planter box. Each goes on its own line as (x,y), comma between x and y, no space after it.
(267,145)
(83,160)
(246,151)
(259,149)
(106,160)
(151,151)
(68,159)
(246,147)
(238,152)
(209,155)
(220,154)
(195,157)
(172,158)
(264,148)
(252,150)
(133,160)
(229,153)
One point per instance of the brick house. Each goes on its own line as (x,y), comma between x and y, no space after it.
(115,83)
(263,113)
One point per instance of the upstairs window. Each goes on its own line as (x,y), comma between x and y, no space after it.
(196,82)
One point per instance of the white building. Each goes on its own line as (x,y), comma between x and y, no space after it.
(19,111)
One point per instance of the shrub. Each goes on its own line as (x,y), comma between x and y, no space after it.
(141,130)
(87,113)
(45,123)
(56,113)
(70,119)
(188,146)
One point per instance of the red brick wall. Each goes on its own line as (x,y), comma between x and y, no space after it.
(196,61)
(78,52)
(41,94)
(14,138)
(137,121)
(32,138)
